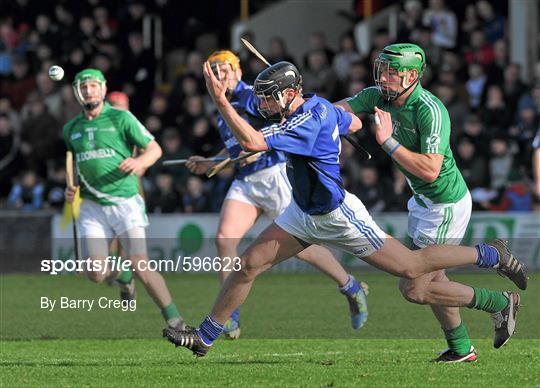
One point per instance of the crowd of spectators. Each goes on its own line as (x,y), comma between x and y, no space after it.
(494,112)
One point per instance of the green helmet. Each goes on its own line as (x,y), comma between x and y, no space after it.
(85,76)
(400,57)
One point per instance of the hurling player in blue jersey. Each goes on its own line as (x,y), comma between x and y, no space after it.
(307,129)
(261,186)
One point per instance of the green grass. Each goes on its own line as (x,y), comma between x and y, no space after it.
(295,331)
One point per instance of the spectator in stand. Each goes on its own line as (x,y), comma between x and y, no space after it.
(27,193)
(104,62)
(432,51)
(87,35)
(164,198)
(105,27)
(317,42)
(67,28)
(192,110)
(474,130)
(358,71)
(69,107)
(48,91)
(457,109)
(75,63)
(11,161)
(370,190)
(410,21)
(139,69)
(470,23)
(399,191)
(194,199)
(479,50)
(475,85)
(319,77)
(40,135)
(473,165)
(495,70)
(278,51)
(513,87)
(159,112)
(204,138)
(493,23)
(6,108)
(501,162)
(528,122)
(55,186)
(443,24)
(20,84)
(346,55)
(181,89)
(495,113)
(172,146)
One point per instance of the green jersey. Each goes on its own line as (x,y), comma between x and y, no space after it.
(99,146)
(422,125)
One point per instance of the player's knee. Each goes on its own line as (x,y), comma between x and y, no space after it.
(412,292)
(225,241)
(251,266)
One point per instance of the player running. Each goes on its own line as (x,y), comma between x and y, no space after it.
(261,186)
(101,139)
(322,211)
(413,127)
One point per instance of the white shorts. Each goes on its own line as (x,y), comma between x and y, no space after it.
(349,227)
(268,189)
(443,223)
(98,224)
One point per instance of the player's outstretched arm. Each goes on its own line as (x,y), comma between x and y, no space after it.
(200,168)
(248,137)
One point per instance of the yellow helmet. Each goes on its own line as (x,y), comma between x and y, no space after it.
(224,56)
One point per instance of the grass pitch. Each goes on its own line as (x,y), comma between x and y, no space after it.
(295,332)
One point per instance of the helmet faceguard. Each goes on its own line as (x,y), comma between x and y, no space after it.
(397,59)
(89,75)
(225,56)
(271,85)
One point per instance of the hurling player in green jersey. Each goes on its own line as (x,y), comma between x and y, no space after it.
(101,139)
(413,127)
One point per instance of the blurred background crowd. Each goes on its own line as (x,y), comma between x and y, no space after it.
(494,111)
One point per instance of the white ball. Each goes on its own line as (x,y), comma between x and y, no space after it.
(56,73)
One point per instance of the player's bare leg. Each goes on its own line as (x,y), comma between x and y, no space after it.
(420,291)
(97,248)
(321,258)
(134,244)
(413,264)
(355,292)
(271,247)
(232,228)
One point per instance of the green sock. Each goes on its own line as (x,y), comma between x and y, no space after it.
(170,312)
(125,276)
(490,301)
(458,339)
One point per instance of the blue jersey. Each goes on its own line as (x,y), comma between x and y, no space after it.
(310,139)
(245,103)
